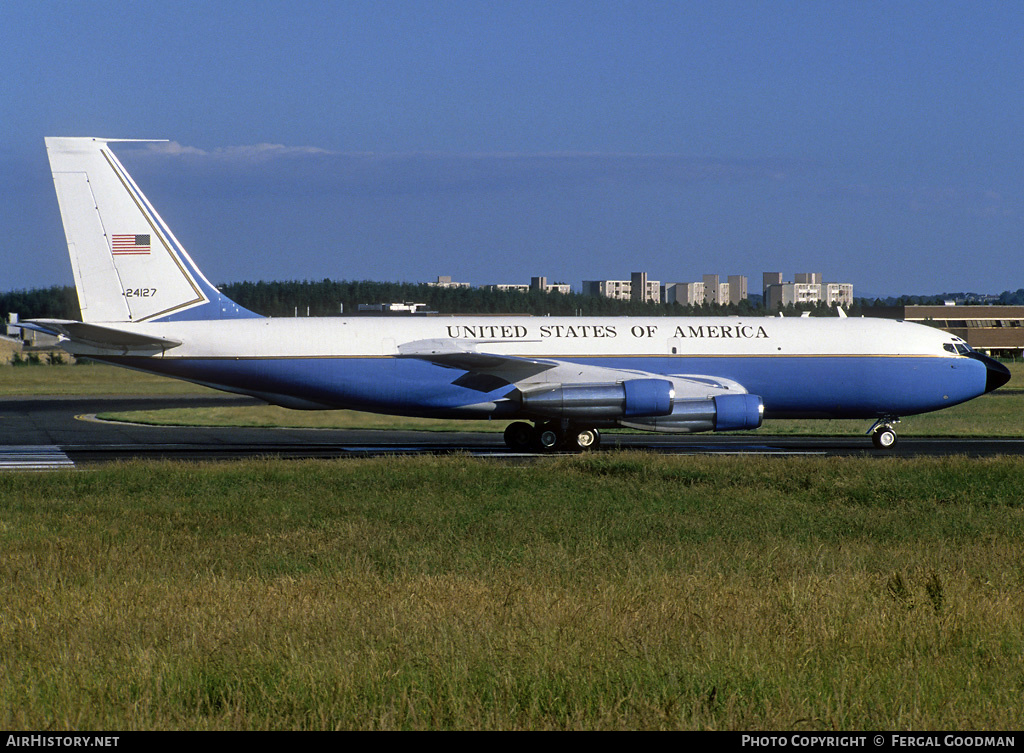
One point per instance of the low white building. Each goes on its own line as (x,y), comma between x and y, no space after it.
(541,283)
(445,281)
(406,307)
(507,287)
(536,283)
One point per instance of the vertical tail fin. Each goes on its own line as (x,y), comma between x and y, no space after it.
(128,266)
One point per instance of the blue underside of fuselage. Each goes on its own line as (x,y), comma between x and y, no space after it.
(827,386)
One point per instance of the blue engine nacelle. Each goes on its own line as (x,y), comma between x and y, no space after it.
(738,412)
(720,413)
(600,402)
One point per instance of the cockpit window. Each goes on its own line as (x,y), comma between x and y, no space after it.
(961,349)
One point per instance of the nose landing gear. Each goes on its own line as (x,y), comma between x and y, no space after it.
(883,435)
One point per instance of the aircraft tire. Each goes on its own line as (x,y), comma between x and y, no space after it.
(519,436)
(583,440)
(548,438)
(884,438)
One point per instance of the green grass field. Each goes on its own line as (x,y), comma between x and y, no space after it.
(604,591)
(612,591)
(89,379)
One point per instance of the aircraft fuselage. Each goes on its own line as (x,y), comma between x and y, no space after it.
(830,368)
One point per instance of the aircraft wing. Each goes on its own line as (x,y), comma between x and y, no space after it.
(485,371)
(100,337)
(489,371)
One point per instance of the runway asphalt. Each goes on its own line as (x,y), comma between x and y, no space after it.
(49,432)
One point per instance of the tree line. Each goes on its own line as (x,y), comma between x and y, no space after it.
(332,297)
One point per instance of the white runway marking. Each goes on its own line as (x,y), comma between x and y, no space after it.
(33,458)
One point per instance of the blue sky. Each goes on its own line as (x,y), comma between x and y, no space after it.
(878,143)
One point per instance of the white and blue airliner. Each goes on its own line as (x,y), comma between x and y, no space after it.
(145,305)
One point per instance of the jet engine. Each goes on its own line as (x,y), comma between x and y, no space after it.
(719,413)
(597,402)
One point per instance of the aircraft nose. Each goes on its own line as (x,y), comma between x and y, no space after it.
(996,374)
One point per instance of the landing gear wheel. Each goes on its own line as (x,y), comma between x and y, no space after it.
(884,437)
(548,438)
(581,440)
(519,436)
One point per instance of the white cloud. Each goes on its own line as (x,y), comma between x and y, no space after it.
(243,153)
(417,172)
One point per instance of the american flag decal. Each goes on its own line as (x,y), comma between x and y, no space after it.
(126,245)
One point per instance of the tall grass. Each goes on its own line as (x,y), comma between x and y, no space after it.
(613,591)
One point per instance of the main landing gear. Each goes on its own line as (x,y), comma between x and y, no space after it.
(883,436)
(551,436)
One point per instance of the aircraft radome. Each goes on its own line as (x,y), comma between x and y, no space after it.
(145,305)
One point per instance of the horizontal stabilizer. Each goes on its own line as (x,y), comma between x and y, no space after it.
(98,336)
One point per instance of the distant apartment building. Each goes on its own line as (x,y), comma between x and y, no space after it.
(767,280)
(710,290)
(620,290)
(715,291)
(839,293)
(737,288)
(445,281)
(507,287)
(806,288)
(638,288)
(684,293)
(541,283)
(642,289)
(536,283)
